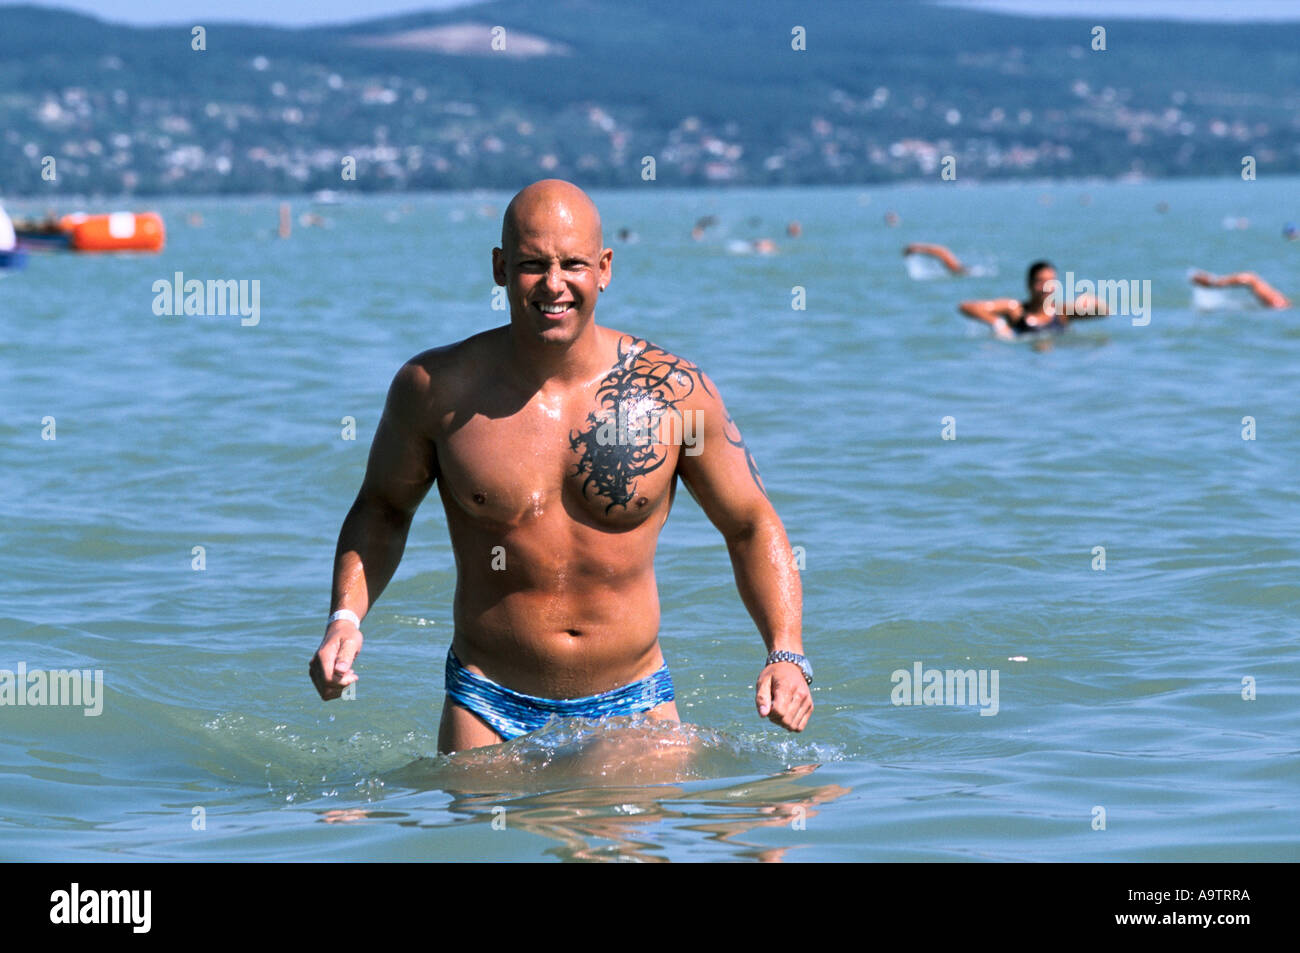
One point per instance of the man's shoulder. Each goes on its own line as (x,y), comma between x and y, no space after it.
(651,367)
(439,369)
(454,357)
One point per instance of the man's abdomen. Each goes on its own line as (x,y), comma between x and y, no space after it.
(555,620)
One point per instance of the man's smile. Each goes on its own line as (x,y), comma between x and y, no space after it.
(557,310)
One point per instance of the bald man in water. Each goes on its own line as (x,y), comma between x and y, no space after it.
(556,446)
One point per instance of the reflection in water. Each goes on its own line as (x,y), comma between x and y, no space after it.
(1071,338)
(614,790)
(620,823)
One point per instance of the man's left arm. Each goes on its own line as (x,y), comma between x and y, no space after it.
(720,473)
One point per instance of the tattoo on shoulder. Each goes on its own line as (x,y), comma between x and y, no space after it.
(619,443)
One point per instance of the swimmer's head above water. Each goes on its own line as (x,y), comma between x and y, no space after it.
(1038,279)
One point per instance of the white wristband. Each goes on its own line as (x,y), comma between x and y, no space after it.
(346,614)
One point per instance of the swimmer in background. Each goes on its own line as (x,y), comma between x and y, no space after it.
(1009,317)
(1268,296)
(701,225)
(937,251)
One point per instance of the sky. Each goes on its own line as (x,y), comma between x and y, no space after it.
(277,12)
(315,12)
(1236,11)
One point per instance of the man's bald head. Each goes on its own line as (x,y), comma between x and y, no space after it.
(545,205)
(552,261)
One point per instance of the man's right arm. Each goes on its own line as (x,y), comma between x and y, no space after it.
(938,251)
(1268,296)
(402,466)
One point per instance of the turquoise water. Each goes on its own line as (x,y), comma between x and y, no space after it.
(1119,689)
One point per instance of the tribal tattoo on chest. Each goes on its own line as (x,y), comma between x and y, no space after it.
(622,442)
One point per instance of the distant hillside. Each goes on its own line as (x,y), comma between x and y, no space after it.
(585,88)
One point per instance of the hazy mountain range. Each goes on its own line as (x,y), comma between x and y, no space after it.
(586,89)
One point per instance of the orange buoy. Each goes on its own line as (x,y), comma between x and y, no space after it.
(117,231)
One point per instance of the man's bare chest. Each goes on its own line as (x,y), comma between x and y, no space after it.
(604,461)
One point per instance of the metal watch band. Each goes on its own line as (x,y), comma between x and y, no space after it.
(782,655)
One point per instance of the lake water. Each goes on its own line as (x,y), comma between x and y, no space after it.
(1159,696)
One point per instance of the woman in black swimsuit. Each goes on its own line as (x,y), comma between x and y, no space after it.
(1009,317)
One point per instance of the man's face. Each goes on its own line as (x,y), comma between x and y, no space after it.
(553,273)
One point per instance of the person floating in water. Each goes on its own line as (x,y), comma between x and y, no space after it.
(1268,296)
(1042,312)
(937,251)
(546,441)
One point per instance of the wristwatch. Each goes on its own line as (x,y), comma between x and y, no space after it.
(801,660)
